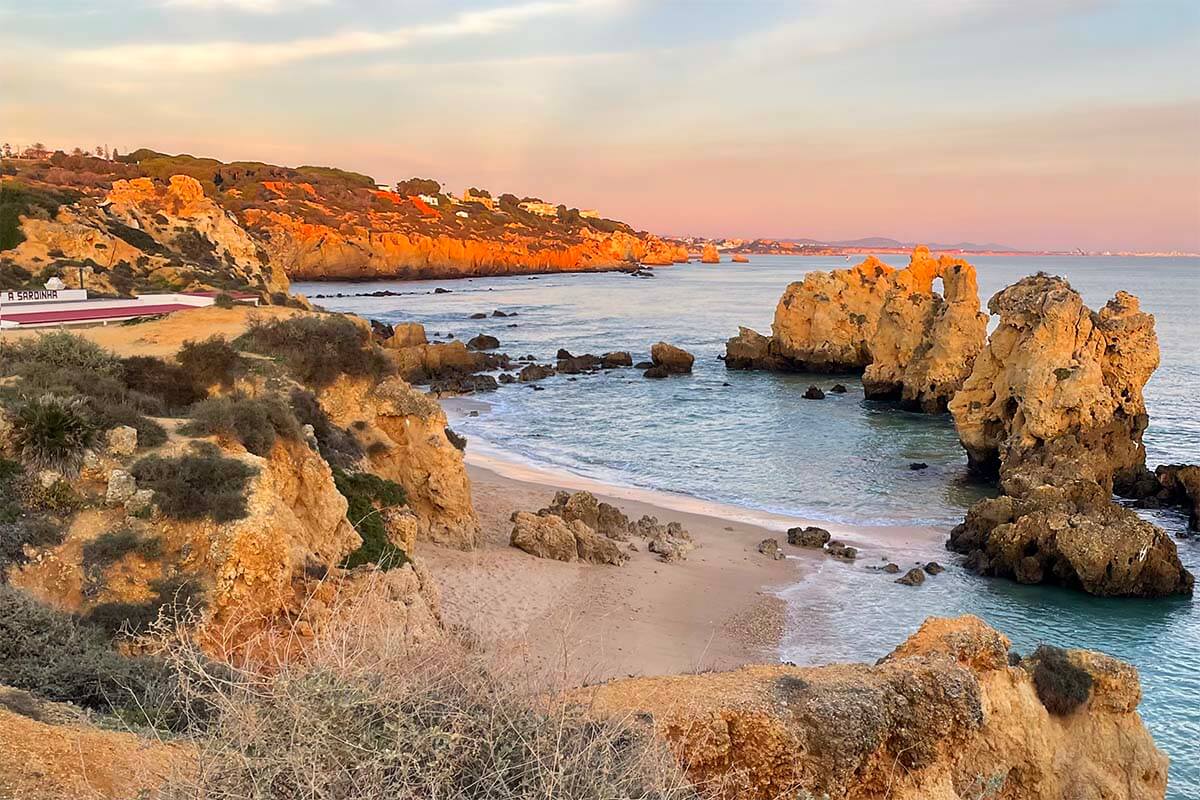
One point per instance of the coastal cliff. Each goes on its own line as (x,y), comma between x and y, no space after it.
(152,220)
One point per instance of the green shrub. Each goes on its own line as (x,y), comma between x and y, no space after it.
(36,532)
(198,484)
(172,384)
(111,546)
(256,423)
(1061,685)
(66,351)
(316,350)
(212,361)
(337,446)
(224,300)
(366,496)
(54,656)
(52,432)
(17,200)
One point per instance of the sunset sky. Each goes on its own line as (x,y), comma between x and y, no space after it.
(1051,124)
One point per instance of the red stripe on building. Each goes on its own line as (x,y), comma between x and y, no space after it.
(96,314)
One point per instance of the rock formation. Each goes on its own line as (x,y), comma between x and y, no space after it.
(740,259)
(669,360)
(925,344)
(1054,407)
(404,435)
(551,536)
(710,254)
(915,345)
(943,717)
(151,234)
(1057,392)
(1073,535)
(1168,485)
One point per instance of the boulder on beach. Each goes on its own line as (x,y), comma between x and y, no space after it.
(842,551)
(914,577)
(771,549)
(550,536)
(808,536)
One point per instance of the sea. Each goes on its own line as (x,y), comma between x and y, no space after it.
(749,440)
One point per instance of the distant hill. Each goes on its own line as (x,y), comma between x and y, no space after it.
(885,242)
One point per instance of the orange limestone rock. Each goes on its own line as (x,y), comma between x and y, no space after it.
(710,254)
(944,717)
(915,345)
(180,210)
(256,573)
(925,343)
(404,434)
(740,259)
(1057,393)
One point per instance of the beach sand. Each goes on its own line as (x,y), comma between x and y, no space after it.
(718,609)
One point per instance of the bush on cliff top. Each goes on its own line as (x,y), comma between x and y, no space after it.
(317,350)
(1061,685)
(201,483)
(337,446)
(255,422)
(212,361)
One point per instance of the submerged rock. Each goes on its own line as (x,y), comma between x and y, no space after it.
(813,393)
(483,342)
(914,577)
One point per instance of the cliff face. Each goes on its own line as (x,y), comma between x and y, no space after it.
(407,443)
(149,235)
(310,251)
(251,225)
(915,345)
(944,717)
(275,568)
(1057,393)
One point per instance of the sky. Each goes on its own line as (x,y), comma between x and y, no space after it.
(1050,125)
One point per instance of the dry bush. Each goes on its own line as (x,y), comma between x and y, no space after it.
(364,715)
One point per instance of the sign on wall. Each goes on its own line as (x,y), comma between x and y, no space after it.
(42,295)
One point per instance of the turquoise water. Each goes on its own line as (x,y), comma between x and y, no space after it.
(749,439)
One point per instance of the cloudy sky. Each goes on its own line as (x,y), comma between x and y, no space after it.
(1049,124)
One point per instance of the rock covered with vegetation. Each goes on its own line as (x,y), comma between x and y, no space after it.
(943,717)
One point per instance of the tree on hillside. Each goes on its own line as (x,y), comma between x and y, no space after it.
(78,151)
(7,150)
(479,192)
(415,186)
(100,153)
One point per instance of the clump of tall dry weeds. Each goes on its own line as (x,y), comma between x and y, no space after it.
(365,715)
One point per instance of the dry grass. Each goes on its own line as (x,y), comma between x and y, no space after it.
(364,714)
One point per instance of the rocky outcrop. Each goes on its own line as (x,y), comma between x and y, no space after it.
(1054,407)
(1072,535)
(740,259)
(669,360)
(147,233)
(943,717)
(1168,485)
(1057,393)
(404,435)
(925,343)
(710,254)
(551,536)
(263,571)
(915,345)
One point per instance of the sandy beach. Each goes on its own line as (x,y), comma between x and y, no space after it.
(717,610)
